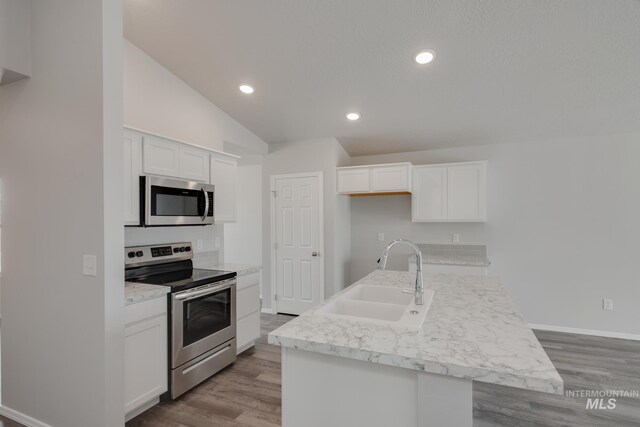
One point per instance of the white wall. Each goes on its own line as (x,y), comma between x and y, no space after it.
(563,226)
(61,172)
(342,228)
(157,101)
(15,39)
(320,155)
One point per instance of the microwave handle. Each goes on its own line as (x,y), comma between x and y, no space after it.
(206,204)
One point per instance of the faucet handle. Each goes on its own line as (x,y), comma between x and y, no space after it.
(407,291)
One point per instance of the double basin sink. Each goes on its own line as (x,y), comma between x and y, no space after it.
(380,304)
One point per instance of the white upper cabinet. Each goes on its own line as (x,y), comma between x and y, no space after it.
(353,180)
(161,157)
(453,192)
(391,178)
(466,187)
(224,175)
(154,155)
(429,197)
(169,158)
(132,151)
(194,164)
(375,179)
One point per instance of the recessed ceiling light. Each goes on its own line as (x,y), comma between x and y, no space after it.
(424,57)
(353,116)
(246,89)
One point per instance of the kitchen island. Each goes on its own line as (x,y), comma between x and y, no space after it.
(354,371)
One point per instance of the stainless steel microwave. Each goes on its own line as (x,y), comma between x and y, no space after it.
(169,202)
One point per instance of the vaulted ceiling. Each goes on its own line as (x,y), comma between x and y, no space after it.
(505,71)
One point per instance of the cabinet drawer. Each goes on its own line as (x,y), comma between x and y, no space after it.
(248,280)
(144,310)
(248,330)
(248,301)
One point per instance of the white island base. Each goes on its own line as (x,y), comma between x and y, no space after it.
(322,390)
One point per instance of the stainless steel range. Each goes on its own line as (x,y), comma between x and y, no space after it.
(202,311)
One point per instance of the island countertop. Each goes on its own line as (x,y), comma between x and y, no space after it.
(472,330)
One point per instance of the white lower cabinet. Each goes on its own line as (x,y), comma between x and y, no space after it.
(145,349)
(247,311)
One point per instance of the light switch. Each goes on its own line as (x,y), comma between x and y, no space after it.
(89,265)
(199,244)
(217,242)
(381,237)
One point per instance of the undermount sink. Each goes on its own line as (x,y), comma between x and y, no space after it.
(380,304)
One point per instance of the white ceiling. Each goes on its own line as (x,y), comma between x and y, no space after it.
(505,71)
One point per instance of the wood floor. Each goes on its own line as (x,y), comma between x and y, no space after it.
(248,392)
(6,422)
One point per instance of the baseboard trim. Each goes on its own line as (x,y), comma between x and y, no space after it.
(606,334)
(267,310)
(21,418)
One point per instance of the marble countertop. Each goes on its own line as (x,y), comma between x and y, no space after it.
(139,292)
(472,330)
(468,260)
(456,254)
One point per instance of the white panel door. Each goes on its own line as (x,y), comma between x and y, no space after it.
(132,152)
(194,164)
(224,175)
(390,178)
(353,180)
(429,199)
(465,189)
(161,157)
(298,243)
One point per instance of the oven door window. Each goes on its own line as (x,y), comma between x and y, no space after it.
(204,316)
(168,201)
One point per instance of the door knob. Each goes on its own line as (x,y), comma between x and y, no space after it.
(314,253)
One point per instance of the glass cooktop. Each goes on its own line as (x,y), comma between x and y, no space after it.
(186,279)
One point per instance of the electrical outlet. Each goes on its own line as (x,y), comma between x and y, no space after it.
(607,304)
(89,265)
(199,244)
(455,237)
(381,237)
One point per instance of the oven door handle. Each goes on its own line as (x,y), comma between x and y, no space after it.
(195,294)
(206,204)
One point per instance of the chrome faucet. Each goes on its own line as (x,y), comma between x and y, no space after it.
(419,291)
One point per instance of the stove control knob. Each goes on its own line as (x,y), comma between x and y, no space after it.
(182,249)
(176,250)
(139,253)
(188,249)
(131,254)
